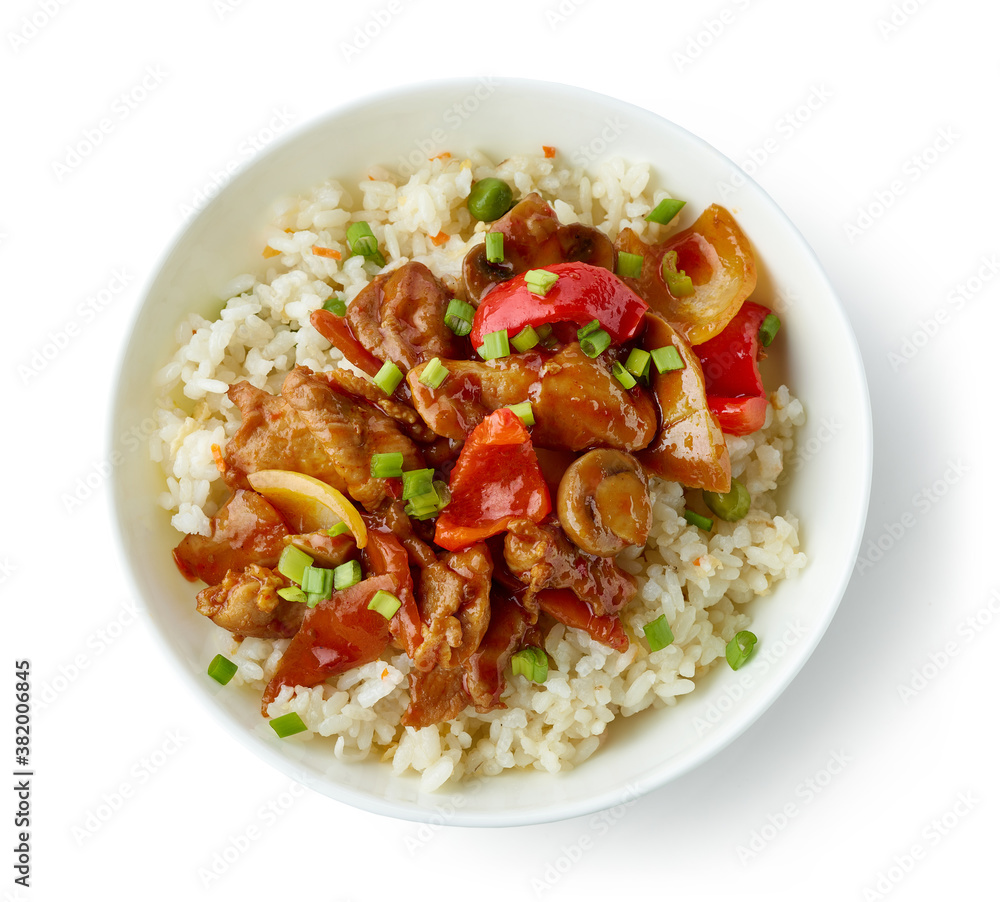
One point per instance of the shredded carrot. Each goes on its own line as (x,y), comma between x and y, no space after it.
(385,672)
(444,155)
(325,252)
(371,178)
(217,457)
(550,152)
(439,239)
(270,251)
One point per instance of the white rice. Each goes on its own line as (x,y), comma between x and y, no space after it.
(700,581)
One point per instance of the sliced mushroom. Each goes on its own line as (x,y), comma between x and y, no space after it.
(603,502)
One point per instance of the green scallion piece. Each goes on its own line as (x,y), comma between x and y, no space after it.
(495,345)
(638,363)
(317,581)
(423,507)
(417,482)
(658,633)
(544,331)
(629,266)
(524,412)
(665,210)
(458,316)
(336,305)
(698,520)
(387,465)
(346,575)
(593,326)
(768,329)
(525,340)
(494,247)
(667,359)
(435,372)
(540,281)
(288,725)
(678,281)
(596,343)
(292,562)
(293,593)
(622,375)
(389,377)
(361,240)
(739,648)
(221,669)
(531,662)
(338,529)
(385,603)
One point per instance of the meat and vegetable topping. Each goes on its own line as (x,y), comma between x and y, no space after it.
(478,486)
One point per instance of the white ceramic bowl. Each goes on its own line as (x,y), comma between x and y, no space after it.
(828,479)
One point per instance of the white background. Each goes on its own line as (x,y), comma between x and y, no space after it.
(875,775)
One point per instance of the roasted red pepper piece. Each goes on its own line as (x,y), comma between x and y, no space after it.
(385,554)
(732,379)
(336,635)
(583,293)
(570,609)
(336,330)
(495,480)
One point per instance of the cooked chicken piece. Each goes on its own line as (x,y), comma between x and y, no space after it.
(435,695)
(533,237)
(399,316)
(247,603)
(484,681)
(350,432)
(576,401)
(542,557)
(350,383)
(246,530)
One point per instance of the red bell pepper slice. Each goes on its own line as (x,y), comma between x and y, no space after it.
(570,609)
(732,379)
(496,479)
(582,294)
(385,554)
(336,330)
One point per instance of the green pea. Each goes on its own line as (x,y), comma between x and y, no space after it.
(732,505)
(489,199)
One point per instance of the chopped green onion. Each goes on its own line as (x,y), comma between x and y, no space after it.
(629,265)
(525,340)
(417,482)
(544,331)
(346,575)
(540,281)
(739,648)
(495,345)
(336,305)
(494,247)
(222,670)
(678,281)
(667,359)
(288,725)
(658,633)
(596,343)
(768,329)
(593,326)
(387,465)
(458,316)
(698,520)
(425,505)
(388,377)
(361,240)
(385,603)
(638,363)
(434,373)
(524,412)
(317,581)
(293,593)
(622,375)
(531,662)
(338,529)
(665,210)
(292,562)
